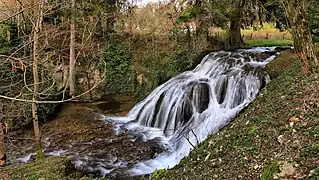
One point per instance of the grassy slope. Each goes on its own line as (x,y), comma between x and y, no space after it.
(267,43)
(261,141)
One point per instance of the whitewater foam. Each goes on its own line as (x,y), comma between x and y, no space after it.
(185,110)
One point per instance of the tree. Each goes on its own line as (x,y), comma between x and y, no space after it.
(2,151)
(38,16)
(30,63)
(296,13)
(72,50)
(235,39)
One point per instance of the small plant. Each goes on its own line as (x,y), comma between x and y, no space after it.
(270,171)
(156,175)
(314,174)
(40,154)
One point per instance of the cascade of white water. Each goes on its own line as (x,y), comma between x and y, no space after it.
(195,104)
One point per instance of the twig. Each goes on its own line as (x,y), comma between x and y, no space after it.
(189,141)
(18,13)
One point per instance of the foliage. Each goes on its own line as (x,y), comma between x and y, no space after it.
(18,114)
(8,37)
(269,172)
(118,71)
(314,174)
(313,16)
(311,150)
(40,155)
(190,14)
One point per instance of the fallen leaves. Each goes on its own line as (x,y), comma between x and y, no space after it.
(287,171)
(4,176)
(294,119)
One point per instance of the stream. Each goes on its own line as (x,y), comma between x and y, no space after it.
(107,138)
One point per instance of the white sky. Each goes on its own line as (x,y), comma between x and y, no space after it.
(144,2)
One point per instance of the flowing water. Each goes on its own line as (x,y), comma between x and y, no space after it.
(184,111)
(163,128)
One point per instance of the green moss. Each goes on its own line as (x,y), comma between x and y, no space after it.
(269,172)
(156,175)
(53,168)
(252,130)
(40,154)
(314,174)
(311,150)
(312,132)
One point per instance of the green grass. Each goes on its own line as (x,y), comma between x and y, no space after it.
(156,175)
(269,172)
(267,43)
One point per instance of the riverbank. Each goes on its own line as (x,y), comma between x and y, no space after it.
(78,137)
(274,137)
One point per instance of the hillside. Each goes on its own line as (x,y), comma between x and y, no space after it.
(274,137)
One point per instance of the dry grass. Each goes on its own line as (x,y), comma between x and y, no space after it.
(268,36)
(270,33)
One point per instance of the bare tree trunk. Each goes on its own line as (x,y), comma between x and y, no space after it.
(72,52)
(260,15)
(296,13)
(36,30)
(235,39)
(2,150)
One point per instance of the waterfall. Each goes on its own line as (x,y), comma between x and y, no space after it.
(185,110)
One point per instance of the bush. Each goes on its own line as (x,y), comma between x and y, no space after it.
(118,68)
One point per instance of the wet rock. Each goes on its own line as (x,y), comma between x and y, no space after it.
(282,48)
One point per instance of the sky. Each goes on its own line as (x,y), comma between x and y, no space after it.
(144,2)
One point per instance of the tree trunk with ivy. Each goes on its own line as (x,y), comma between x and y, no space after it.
(296,13)
(110,18)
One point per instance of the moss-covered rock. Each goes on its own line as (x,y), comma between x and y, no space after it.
(54,168)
